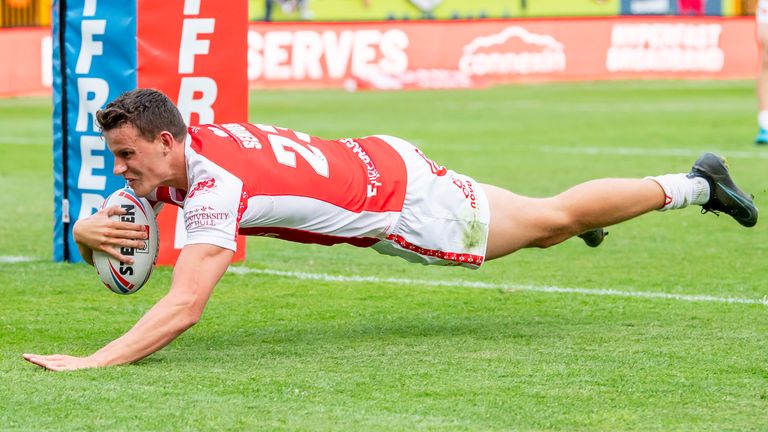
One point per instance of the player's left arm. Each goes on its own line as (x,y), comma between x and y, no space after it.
(198,269)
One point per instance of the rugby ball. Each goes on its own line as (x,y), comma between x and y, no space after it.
(128,278)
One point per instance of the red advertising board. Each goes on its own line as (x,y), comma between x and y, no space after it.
(414,53)
(195,53)
(481,52)
(25,67)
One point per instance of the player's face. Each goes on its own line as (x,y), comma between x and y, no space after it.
(143,163)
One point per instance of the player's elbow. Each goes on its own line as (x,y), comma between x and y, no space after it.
(190,322)
(194,310)
(188,311)
(188,318)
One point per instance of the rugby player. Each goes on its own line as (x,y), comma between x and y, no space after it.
(378,191)
(761,16)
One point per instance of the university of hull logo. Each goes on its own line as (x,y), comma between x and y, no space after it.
(513,51)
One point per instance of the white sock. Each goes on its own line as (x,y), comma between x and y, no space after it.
(762,119)
(681,190)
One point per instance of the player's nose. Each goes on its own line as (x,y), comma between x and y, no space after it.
(119,168)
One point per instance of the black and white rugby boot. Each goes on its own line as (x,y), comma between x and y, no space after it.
(593,237)
(724,195)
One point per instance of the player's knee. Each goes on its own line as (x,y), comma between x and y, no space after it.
(554,227)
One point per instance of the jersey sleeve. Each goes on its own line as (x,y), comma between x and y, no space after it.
(213,206)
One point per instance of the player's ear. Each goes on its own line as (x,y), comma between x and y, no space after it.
(167,141)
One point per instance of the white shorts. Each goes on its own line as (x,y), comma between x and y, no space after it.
(445,215)
(761,12)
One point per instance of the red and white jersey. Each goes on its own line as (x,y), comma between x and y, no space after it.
(262,180)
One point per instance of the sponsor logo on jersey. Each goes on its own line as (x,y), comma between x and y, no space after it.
(373,173)
(204,216)
(202,186)
(513,51)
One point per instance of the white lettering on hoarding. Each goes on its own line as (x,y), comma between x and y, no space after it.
(92,94)
(88,46)
(394,58)
(90,161)
(192,7)
(197,94)
(89,204)
(307,52)
(338,49)
(254,58)
(486,55)
(665,48)
(207,90)
(315,55)
(89,8)
(191,45)
(46,61)
(276,55)
(363,52)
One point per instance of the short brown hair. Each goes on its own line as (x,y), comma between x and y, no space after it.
(148,110)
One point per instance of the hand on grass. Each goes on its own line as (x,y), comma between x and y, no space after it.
(60,362)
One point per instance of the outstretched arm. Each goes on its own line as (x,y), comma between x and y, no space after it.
(198,269)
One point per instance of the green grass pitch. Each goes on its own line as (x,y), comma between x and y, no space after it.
(277,352)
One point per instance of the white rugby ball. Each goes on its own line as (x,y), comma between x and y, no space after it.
(128,278)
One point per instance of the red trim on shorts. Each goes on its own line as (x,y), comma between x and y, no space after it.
(458,258)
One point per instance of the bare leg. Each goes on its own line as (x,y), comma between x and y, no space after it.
(518,222)
(762,78)
(762,84)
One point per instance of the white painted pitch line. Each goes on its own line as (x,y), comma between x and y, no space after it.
(506,287)
(635,151)
(11,259)
(23,140)
(240,270)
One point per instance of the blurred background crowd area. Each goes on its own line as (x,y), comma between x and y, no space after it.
(35,13)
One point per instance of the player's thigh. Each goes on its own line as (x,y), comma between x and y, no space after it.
(762,35)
